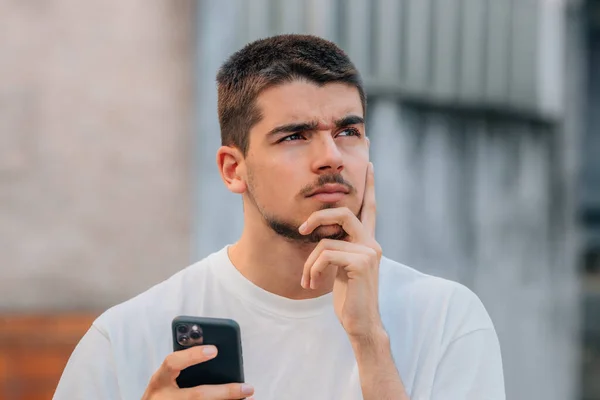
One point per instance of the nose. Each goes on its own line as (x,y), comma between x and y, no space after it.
(327,155)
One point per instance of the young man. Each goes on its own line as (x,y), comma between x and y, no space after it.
(323,315)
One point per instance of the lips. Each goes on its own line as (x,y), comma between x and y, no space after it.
(330,189)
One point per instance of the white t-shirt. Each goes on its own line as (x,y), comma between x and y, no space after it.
(443,341)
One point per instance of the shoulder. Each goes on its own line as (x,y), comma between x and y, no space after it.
(159,304)
(451,304)
(409,280)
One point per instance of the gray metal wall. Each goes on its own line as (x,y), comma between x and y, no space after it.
(473,148)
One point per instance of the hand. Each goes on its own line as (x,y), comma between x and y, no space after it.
(356,286)
(163,386)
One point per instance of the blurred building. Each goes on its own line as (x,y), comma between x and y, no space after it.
(96,167)
(590,184)
(96,123)
(480,135)
(590,205)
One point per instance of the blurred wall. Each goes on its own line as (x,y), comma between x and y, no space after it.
(95,161)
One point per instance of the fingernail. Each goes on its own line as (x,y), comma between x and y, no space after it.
(247,389)
(372,167)
(209,351)
(302,281)
(301,229)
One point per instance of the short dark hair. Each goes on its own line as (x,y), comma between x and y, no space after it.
(272,61)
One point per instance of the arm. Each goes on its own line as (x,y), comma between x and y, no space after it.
(355,291)
(471,368)
(379,378)
(90,371)
(90,374)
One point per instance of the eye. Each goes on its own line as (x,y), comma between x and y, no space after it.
(349,132)
(295,136)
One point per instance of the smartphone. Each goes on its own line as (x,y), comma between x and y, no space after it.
(224,334)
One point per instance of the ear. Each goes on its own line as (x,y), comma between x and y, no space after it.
(230,162)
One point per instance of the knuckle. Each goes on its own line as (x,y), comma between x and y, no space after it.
(373,252)
(378,250)
(373,248)
(370,254)
(169,363)
(325,244)
(314,274)
(154,382)
(320,247)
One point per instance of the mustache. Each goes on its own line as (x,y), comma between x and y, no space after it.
(325,179)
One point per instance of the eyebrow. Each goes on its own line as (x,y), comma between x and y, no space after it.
(313,125)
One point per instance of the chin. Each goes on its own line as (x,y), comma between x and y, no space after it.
(324,206)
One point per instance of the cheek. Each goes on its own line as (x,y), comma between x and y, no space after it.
(273,185)
(359,154)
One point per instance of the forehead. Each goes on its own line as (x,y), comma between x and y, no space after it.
(307,101)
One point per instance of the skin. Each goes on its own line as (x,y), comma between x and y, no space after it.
(308,136)
(273,176)
(162,385)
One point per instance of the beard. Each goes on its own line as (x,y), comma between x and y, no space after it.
(289,229)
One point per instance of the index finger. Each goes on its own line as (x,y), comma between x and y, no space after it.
(177,361)
(368,214)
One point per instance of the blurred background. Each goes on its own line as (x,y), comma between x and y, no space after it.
(484,117)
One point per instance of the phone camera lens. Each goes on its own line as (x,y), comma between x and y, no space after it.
(195,335)
(183,340)
(182,329)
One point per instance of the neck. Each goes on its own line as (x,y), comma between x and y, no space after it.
(275,263)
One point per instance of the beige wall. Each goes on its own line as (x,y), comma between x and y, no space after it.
(95,149)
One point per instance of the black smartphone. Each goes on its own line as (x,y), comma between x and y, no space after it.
(224,334)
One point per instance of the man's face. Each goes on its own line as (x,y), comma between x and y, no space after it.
(310,139)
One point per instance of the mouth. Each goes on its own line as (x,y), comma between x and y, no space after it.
(329,193)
